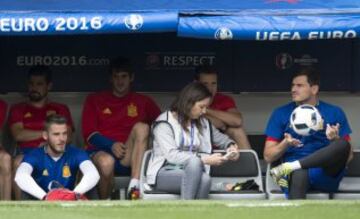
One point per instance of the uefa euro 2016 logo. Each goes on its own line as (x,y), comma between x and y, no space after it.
(284,61)
(223,33)
(134,21)
(152,61)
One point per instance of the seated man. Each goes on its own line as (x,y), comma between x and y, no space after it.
(115,124)
(316,161)
(26,119)
(222,112)
(55,164)
(5,160)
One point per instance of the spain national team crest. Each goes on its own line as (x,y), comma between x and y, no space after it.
(132,110)
(27,115)
(66,171)
(50,112)
(45,172)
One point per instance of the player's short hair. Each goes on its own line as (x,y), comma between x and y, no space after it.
(205,69)
(54,119)
(186,99)
(121,64)
(312,75)
(40,70)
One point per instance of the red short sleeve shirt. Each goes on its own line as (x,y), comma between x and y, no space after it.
(222,102)
(114,117)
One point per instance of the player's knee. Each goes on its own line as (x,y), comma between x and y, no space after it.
(104,162)
(5,163)
(141,130)
(343,146)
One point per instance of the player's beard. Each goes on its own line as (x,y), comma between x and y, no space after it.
(35,96)
(57,150)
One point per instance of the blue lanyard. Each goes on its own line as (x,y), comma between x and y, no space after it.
(192,130)
(192,137)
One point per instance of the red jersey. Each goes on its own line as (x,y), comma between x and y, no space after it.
(222,102)
(113,117)
(3,108)
(33,118)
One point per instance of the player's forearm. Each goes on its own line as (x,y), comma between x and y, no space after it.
(26,183)
(231,119)
(220,139)
(217,122)
(90,177)
(27,135)
(274,151)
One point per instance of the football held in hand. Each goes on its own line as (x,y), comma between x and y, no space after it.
(306,119)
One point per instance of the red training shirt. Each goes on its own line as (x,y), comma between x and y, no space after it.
(114,117)
(33,118)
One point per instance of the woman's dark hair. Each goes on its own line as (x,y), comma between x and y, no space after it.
(186,99)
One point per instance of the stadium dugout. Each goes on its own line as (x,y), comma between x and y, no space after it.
(256,45)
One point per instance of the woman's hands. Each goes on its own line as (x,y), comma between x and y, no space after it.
(214,159)
(218,159)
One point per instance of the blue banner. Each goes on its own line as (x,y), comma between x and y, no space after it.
(86,23)
(226,19)
(270,28)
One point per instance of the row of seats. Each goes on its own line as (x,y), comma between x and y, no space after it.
(248,168)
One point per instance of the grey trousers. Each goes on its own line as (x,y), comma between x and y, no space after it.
(191,181)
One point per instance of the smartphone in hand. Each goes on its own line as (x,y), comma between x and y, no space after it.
(231,154)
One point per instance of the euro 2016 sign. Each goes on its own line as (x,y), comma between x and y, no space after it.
(86,23)
(44,24)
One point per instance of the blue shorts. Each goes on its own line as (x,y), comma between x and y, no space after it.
(118,168)
(319,180)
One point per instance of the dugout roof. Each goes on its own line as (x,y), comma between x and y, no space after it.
(209,19)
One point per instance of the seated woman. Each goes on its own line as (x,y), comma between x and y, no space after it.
(182,146)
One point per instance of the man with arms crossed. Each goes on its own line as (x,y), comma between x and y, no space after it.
(222,112)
